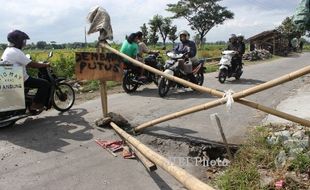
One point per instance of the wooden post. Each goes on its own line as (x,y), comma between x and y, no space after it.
(104,97)
(103,89)
(219,125)
(186,179)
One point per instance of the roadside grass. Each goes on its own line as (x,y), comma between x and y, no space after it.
(255,155)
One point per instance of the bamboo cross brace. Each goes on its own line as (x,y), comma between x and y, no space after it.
(237,97)
(186,179)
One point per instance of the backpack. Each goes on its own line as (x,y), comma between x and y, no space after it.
(302,15)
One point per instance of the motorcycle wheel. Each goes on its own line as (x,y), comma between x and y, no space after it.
(238,75)
(200,78)
(64,97)
(128,85)
(156,79)
(163,86)
(222,76)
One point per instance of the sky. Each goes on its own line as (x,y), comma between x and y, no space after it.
(65,20)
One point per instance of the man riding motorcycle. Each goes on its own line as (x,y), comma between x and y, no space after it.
(235,46)
(13,55)
(189,47)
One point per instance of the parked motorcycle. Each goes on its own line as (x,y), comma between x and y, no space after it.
(180,67)
(61,97)
(132,73)
(225,66)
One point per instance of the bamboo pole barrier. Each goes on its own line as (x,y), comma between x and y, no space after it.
(170,77)
(186,179)
(237,97)
(150,166)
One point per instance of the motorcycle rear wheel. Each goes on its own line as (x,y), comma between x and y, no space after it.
(222,76)
(200,78)
(128,85)
(64,97)
(163,86)
(238,75)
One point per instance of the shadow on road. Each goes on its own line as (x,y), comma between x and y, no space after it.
(49,133)
(246,81)
(159,181)
(173,94)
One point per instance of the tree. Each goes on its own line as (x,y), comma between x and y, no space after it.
(41,44)
(289,29)
(172,34)
(201,15)
(144,32)
(162,25)
(153,37)
(198,41)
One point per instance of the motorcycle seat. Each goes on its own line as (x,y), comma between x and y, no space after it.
(198,62)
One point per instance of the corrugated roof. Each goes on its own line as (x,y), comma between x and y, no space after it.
(263,35)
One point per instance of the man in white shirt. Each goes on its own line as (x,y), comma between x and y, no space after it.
(13,55)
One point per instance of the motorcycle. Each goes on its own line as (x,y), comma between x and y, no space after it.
(180,67)
(131,76)
(225,66)
(61,97)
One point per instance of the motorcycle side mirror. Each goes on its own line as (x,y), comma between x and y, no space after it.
(28,56)
(50,54)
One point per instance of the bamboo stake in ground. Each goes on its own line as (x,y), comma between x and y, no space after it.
(214,92)
(186,179)
(219,125)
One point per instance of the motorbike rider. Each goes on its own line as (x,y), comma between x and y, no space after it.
(130,47)
(142,50)
(189,47)
(13,54)
(234,45)
(241,44)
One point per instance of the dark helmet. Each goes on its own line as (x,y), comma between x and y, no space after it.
(139,34)
(17,37)
(132,37)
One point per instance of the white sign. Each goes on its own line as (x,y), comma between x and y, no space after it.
(12,96)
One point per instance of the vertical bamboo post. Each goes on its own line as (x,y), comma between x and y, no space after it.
(219,125)
(104,97)
(103,88)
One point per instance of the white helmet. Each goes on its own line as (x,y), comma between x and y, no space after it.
(184,32)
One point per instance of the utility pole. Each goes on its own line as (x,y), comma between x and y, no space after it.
(85,37)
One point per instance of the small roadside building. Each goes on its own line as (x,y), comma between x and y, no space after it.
(271,40)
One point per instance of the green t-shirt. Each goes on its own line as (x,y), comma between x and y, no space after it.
(130,49)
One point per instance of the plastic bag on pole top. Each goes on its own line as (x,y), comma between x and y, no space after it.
(100,21)
(12,95)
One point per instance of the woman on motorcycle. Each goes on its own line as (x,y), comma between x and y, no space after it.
(130,47)
(142,50)
(13,54)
